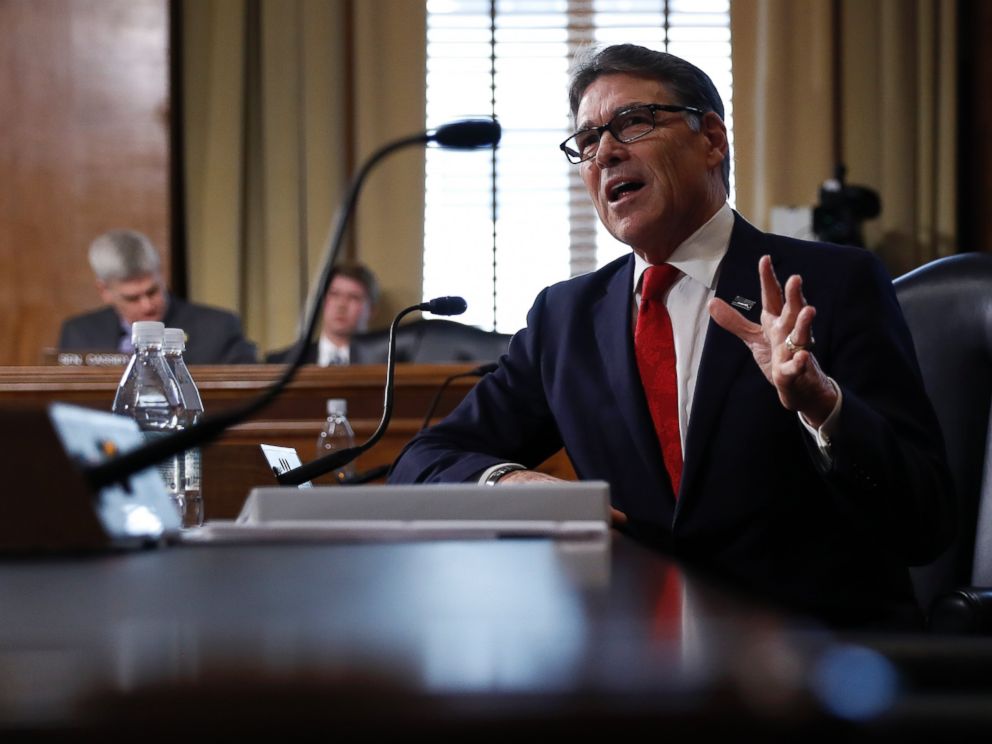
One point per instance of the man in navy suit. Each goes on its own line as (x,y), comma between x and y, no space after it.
(813,473)
(349,303)
(129,280)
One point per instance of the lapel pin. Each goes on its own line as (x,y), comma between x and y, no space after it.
(742,302)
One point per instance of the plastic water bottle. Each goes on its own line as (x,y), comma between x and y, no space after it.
(149,394)
(337,434)
(191,505)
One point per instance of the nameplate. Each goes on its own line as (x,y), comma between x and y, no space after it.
(92,359)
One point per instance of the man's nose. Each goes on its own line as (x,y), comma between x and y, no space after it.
(610,149)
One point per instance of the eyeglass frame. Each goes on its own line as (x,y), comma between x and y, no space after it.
(608,126)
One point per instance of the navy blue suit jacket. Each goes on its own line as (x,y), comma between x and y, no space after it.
(756,506)
(213,336)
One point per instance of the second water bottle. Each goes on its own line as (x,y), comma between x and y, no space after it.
(191,502)
(337,434)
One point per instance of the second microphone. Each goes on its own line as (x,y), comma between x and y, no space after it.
(339,458)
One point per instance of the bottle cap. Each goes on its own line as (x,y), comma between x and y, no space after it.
(145,332)
(174,340)
(337,405)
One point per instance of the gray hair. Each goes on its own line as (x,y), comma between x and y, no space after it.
(690,85)
(123,254)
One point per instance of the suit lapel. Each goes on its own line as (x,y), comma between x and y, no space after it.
(722,359)
(614,338)
(723,353)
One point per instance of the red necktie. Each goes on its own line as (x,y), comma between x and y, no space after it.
(655,347)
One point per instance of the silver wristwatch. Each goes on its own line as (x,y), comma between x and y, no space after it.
(499,472)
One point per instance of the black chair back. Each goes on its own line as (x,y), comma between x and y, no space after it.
(948,306)
(431,341)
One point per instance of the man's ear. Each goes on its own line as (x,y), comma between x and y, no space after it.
(715,131)
(105,294)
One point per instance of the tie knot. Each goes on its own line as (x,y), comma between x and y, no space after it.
(657,280)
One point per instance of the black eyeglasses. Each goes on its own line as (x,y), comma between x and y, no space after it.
(628,125)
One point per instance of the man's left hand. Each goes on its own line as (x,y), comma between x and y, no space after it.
(782,344)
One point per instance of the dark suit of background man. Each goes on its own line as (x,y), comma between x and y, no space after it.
(816,475)
(129,279)
(348,305)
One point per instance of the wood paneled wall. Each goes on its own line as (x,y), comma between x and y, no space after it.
(84,118)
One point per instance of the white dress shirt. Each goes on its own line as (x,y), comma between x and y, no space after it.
(699,258)
(329,353)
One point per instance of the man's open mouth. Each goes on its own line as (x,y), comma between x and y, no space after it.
(625,187)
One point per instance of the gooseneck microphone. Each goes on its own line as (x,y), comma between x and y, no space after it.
(334,460)
(462,135)
(354,479)
(467,134)
(440,306)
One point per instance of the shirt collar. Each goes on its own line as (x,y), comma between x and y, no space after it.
(699,256)
(327,350)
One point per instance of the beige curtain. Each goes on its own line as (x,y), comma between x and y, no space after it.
(283,100)
(782,100)
(896,121)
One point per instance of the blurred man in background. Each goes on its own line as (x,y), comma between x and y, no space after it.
(129,279)
(348,305)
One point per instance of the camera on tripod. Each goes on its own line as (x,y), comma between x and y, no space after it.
(842,210)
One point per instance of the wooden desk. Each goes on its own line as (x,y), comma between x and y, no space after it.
(463,638)
(233,465)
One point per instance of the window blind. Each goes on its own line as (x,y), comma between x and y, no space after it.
(500,225)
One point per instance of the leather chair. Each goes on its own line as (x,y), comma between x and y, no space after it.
(433,341)
(948,306)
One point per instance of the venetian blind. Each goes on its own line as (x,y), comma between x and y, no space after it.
(500,225)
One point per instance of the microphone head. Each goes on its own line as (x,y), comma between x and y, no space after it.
(467,134)
(445,306)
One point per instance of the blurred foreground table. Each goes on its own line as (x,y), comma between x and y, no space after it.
(438,637)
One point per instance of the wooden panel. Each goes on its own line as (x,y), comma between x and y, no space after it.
(84,149)
(233,465)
